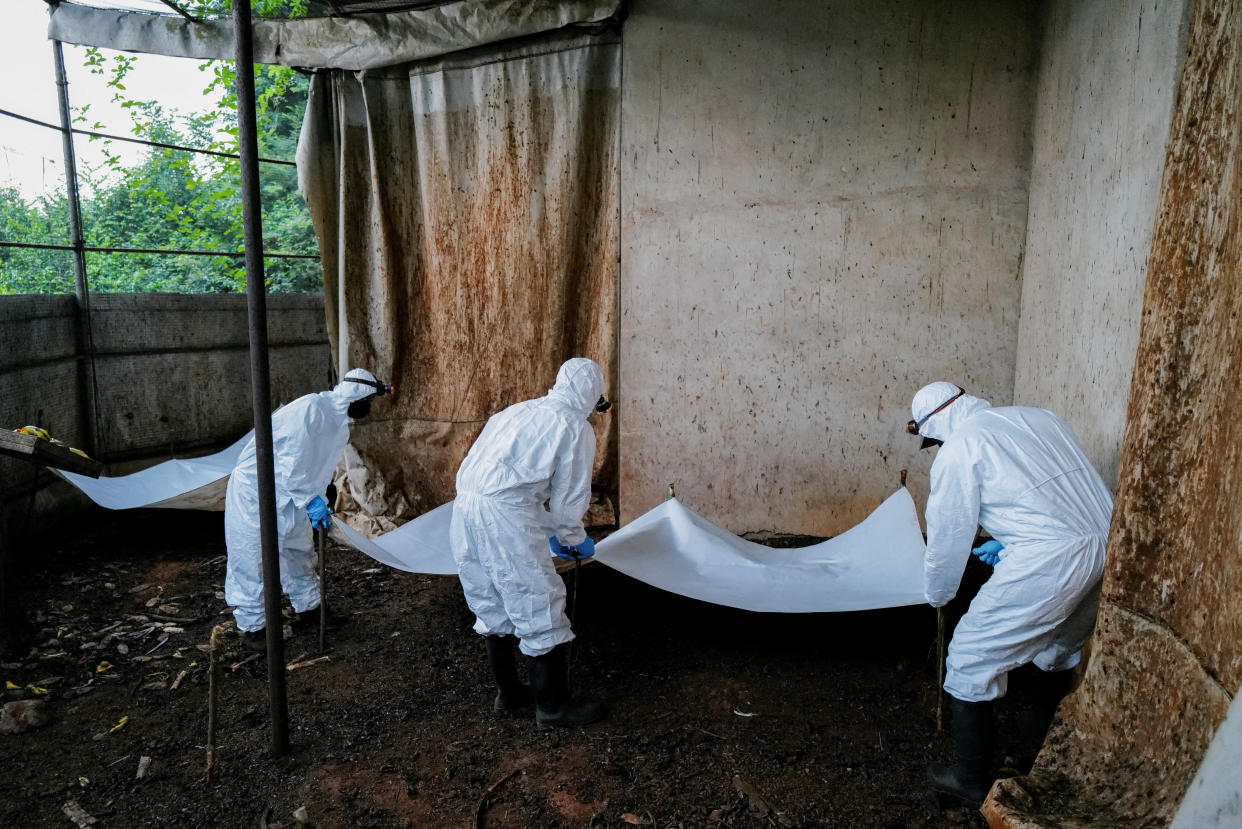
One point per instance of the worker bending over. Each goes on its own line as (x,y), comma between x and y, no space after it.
(1020,474)
(534,452)
(308,437)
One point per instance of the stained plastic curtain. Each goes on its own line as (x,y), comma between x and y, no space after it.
(467,213)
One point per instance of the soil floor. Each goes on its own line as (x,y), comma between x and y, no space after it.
(717,717)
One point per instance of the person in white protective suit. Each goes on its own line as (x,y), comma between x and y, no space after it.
(308,437)
(534,452)
(1019,473)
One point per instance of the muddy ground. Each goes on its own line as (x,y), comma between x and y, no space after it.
(717,717)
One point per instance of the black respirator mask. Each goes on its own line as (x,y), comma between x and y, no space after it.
(359,409)
(602,405)
(913,426)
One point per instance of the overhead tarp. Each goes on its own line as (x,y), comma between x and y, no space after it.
(361,41)
(876,564)
(467,216)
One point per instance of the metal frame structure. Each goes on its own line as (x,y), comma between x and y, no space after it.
(257,313)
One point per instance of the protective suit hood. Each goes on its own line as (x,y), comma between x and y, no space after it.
(946,421)
(345,392)
(579,384)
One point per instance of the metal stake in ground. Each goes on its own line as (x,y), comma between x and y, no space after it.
(213,695)
(940,669)
(573,605)
(321,536)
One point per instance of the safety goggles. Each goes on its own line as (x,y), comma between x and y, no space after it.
(380,388)
(913,426)
(603,404)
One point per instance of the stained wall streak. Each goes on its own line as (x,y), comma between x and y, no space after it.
(1129,741)
(823,208)
(1107,84)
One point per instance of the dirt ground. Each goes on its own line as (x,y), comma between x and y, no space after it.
(717,717)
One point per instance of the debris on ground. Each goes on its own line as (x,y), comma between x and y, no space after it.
(78,815)
(22,715)
(399,731)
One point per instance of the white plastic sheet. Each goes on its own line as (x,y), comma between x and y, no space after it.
(197,483)
(418,546)
(878,563)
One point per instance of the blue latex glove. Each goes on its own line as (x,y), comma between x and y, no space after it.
(989,552)
(318,511)
(584,550)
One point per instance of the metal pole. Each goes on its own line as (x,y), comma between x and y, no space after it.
(85,343)
(940,669)
(322,536)
(260,385)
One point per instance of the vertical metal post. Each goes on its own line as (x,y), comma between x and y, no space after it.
(260,382)
(85,343)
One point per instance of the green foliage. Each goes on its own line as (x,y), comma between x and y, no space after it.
(32,270)
(175,200)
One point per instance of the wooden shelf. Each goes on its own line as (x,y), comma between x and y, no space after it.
(45,453)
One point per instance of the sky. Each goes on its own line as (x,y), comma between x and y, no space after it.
(31,158)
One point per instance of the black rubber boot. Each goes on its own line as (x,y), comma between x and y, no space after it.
(549,680)
(309,619)
(255,640)
(973,736)
(512,696)
(1051,687)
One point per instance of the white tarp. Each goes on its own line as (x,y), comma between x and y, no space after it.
(198,483)
(878,563)
(356,42)
(418,546)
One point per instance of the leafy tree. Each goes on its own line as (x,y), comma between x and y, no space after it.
(172,199)
(33,270)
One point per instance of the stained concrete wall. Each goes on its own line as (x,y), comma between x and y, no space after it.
(171,372)
(1107,83)
(1166,659)
(823,208)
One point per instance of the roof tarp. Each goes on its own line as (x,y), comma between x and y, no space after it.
(362,41)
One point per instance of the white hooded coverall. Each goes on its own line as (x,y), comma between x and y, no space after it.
(1020,474)
(532,452)
(308,437)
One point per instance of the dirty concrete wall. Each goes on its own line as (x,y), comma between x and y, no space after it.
(1107,82)
(171,372)
(1167,655)
(823,208)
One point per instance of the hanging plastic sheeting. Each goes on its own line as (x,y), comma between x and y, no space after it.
(197,483)
(466,212)
(356,42)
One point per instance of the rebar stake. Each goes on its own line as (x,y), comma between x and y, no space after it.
(320,535)
(940,669)
(213,695)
